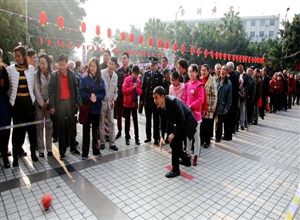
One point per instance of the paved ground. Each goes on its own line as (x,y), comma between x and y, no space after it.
(252,177)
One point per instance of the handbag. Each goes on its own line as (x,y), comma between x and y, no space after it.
(84,110)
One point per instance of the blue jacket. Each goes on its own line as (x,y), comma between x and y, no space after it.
(87,87)
(224,96)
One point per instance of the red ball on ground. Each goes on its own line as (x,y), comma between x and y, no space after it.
(46,201)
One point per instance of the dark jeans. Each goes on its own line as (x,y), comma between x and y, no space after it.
(177,151)
(152,110)
(232,117)
(4,137)
(65,112)
(206,130)
(141,106)
(18,135)
(127,113)
(94,119)
(119,111)
(250,107)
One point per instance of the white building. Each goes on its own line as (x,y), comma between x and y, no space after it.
(257,27)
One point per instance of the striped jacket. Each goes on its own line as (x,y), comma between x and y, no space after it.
(13,76)
(212,96)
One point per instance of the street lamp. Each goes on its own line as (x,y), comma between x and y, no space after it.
(284,26)
(27,34)
(176,23)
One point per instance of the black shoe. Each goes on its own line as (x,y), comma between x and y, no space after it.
(15,163)
(127,142)
(147,140)
(54,140)
(242,128)
(206,146)
(22,153)
(62,157)
(114,147)
(218,140)
(226,139)
(186,163)
(156,142)
(254,123)
(118,135)
(75,151)
(7,165)
(34,158)
(41,155)
(137,141)
(50,153)
(102,146)
(172,174)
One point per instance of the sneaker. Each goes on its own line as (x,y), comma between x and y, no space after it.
(50,153)
(114,147)
(41,155)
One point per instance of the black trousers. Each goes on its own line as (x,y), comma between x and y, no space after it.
(177,151)
(206,130)
(141,106)
(95,120)
(65,112)
(263,106)
(4,140)
(232,114)
(250,108)
(18,135)
(152,110)
(127,112)
(227,126)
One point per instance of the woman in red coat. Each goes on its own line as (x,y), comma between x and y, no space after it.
(273,93)
(291,90)
(131,89)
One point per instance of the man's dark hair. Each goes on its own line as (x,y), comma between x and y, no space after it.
(183,63)
(165,58)
(159,90)
(107,51)
(77,64)
(136,69)
(126,54)
(114,59)
(30,52)
(63,57)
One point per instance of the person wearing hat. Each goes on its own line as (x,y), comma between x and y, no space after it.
(152,79)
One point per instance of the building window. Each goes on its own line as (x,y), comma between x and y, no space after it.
(262,22)
(252,23)
(271,33)
(272,22)
(252,33)
(261,34)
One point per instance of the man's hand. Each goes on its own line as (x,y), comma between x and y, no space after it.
(171,137)
(161,143)
(52,111)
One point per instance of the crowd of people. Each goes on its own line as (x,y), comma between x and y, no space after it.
(37,95)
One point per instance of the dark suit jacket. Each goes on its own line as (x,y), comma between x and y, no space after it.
(266,86)
(180,115)
(234,79)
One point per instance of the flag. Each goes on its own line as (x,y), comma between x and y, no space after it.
(214,10)
(199,11)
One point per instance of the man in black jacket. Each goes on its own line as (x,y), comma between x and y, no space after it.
(265,91)
(176,112)
(63,102)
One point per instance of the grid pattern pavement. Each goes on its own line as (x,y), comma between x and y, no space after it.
(232,179)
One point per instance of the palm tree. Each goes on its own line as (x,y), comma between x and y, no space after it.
(231,23)
(154,28)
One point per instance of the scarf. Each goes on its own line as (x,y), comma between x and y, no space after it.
(135,99)
(20,67)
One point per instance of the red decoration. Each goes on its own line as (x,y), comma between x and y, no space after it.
(93,48)
(150,42)
(83,27)
(83,47)
(70,44)
(140,40)
(263,61)
(97,30)
(192,50)
(212,54)
(198,51)
(249,59)
(205,53)
(182,48)
(233,57)
(63,44)
(131,38)
(144,53)
(240,58)
(43,18)
(175,46)
(60,22)
(217,55)
(166,45)
(225,56)
(119,51)
(41,40)
(49,42)
(78,46)
(220,55)
(123,36)
(109,33)
(159,43)
(114,50)
(136,53)
(148,54)
(229,56)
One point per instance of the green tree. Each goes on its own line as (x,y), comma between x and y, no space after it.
(12,27)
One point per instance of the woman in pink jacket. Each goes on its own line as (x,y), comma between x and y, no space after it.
(131,89)
(194,98)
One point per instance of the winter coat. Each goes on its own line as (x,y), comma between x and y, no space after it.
(127,90)
(194,97)
(177,91)
(212,96)
(88,86)
(224,96)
